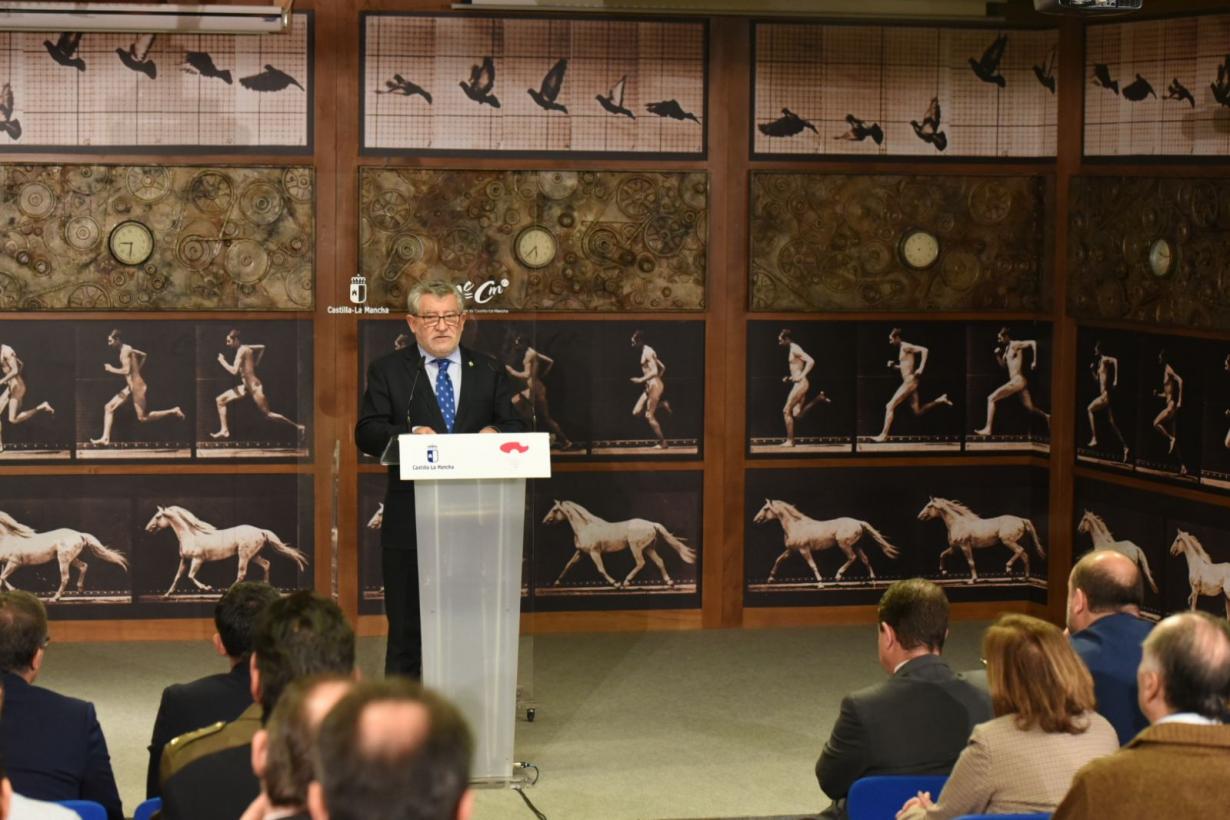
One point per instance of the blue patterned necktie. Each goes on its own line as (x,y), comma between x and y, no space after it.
(444,394)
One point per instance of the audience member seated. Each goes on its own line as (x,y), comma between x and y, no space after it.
(282,752)
(1104,598)
(207,774)
(917,721)
(217,698)
(52,744)
(392,750)
(13,806)
(1178,767)
(1045,728)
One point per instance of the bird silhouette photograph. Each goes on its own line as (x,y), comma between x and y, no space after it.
(547,94)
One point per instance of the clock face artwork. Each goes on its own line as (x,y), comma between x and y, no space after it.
(131,243)
(1161,258)
(535,247)
(919,249)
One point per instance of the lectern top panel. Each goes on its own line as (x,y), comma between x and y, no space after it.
(474,455)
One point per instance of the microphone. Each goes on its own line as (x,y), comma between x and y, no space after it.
(413,385)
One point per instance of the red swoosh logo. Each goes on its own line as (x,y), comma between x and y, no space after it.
(513,447)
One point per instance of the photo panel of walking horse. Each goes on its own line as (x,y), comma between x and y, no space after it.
(1131,522)
(36,391)
(840,536)
(617,540)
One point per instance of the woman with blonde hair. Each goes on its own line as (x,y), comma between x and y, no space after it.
(1044,728)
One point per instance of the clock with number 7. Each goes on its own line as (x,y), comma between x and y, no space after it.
(131,243)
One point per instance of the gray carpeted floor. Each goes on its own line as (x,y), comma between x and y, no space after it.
(712,724)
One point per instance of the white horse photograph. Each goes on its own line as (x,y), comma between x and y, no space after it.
(377,519)
(596,537)
(968,532)
(1203,576)
(804,535)
(1099,533)
(21,546)
(200,541)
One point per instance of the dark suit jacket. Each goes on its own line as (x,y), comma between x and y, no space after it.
(54,748)
(399,396)
(189,706)
(916,722)
(1111,648)
(1171,770)
(219,786)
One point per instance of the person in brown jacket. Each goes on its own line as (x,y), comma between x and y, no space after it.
(1179,767)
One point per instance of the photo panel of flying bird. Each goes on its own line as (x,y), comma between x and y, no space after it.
(1008,387)
(155,237)
(835,89)
(253,393)
(450,84)
(371,521)
(1131,522)
(1107,368)
(196,535)
(899,242)
(537,240)
(801,388)
(828,536)
(911,387)
(73,91)
(621,540)
(36,391)
(134,390)
(1158,87)
(1215,433)
(1169,411)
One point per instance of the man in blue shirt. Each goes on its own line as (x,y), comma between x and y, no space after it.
(1104,598)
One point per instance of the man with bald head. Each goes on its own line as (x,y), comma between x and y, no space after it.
(1179,767)
(392,750)
(1104,598)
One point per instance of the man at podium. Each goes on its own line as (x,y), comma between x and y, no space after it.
(434,387)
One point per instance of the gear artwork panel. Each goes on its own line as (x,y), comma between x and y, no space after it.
(156,238)
(846,242)
(537,240)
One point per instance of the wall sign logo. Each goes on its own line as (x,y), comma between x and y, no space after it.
(483,293)
(358,289)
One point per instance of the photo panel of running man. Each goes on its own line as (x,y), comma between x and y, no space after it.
(1132,522)
(134,386)
(67,540)
(1106,372)
(911,387)
(253,389)
(648,388)
(801,387)
(259,528)
(1169,406)
(1008,386)
(1215,433)
(36,392)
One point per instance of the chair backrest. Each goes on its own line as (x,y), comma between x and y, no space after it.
(148,809)
(86,809)
(880,797)
(1043,816)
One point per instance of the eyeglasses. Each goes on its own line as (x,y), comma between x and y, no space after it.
(449,319)
(46,640)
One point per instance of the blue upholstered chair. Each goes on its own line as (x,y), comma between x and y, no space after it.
(880,797)
(86,809)
(148,809)
(1042,816)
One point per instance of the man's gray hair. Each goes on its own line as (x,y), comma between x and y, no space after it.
(438,288)
(1191,652)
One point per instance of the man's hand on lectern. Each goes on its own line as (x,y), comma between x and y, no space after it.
(489,429)
(423,430)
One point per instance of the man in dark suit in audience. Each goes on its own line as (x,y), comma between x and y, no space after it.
(14,806)
(917,721)
(52,744)
(1104,598)
(1179,766)
(391,748)
(207,774)
(436,386)
(217,698)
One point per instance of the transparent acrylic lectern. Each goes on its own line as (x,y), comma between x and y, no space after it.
(469,501)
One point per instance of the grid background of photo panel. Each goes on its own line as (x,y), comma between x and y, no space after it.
(106,104)
(631,63)
(889,75)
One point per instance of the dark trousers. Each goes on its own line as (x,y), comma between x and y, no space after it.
(404,652)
